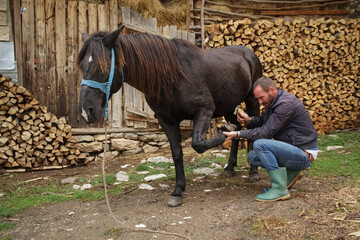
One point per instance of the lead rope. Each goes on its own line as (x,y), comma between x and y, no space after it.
(106,148)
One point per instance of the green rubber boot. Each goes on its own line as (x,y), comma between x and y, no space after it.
(278,189)
(292,177)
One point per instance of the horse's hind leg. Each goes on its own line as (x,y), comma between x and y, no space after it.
(172,131)
(252,109)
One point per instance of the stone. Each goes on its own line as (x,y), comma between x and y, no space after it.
(124,144)
(333,147)
(167,145)
(159,159)
(108,156)
(69,180)
(149,149)
(86,186)
(131,136)
(122,176)
(146,186)
(117,135)
(205,170)
(131,152)
(153,177)
(89,147)
(84,138)
(100,137)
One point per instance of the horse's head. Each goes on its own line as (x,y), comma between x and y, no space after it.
(99,66)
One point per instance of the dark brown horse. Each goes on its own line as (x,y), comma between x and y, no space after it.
(179,80)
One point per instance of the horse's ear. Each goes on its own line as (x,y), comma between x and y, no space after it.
(109,40)
(84,36)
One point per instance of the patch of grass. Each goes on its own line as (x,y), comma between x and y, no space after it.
(110,179)
(142,167)
(5,226)
(117,232)
(344,162)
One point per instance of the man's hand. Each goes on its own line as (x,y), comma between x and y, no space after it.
(242,117)
(231,135)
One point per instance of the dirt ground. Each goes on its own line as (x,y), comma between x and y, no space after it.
(213,208)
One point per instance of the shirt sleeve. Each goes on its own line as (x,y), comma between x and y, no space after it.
(277,120)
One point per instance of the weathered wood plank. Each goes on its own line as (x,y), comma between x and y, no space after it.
(50,50)
(4,33)
(41,65)
(28,44)
(128,92)
(138,104)
(18,41)
(116,99)
(3,5)
(3,18)
(83,28)
(60,26)
(103,19)
(113,15)
(72,49)
(92,16)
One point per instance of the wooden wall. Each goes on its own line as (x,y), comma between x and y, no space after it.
(47,40)
(4,21)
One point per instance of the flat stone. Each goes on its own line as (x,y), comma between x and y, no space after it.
(205,170)
(124,144)
(333,147)
(86,186)
(69,180)
(146,186)
(84,138)
(122,176)
(131,152)
(159,159)
(89,147)
(131,136)
(149,149)
(108,156)
(153,177)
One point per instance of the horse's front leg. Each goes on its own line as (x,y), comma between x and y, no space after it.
(201,125)
(232,162)
(172,131)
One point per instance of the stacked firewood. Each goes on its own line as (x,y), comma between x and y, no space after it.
(316,59)
(30,136)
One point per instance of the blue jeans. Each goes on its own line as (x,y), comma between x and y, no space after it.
(272,154)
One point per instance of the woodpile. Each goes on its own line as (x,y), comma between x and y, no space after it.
(317,60)
(30,136)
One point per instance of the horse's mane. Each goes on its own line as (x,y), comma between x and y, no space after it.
(150,62)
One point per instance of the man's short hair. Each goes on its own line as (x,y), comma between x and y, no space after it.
(265,83)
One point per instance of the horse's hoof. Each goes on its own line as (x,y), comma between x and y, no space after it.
(254,177)
(229,173)
(227,127)
(175,201)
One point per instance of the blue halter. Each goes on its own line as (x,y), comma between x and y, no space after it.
(106,86)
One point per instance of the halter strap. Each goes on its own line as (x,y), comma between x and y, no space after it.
(106,86)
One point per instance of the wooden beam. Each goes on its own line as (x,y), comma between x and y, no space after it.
(305,12)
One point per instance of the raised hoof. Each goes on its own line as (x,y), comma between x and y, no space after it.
(229,173)
(254,177)
(227,127)
(175,201)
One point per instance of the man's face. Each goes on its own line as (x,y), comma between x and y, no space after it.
(265,98)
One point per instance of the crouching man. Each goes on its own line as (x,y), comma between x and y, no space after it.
(294,146)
